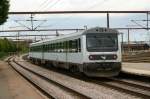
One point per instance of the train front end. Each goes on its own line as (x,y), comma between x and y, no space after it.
(102,57)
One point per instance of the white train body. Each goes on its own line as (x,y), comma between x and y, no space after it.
(95,52)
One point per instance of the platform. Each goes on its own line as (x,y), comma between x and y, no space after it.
(136,68)
(14,86)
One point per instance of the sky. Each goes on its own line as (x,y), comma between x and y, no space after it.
(79,20)
(42,5)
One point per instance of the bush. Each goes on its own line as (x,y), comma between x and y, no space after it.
(4,8)
(3,55)
(9,47)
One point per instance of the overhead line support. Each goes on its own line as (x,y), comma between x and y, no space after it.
(76,12)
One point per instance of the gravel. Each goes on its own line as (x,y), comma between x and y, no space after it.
(92,90)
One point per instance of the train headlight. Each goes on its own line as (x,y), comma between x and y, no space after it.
(103,57)
(91,57)
(115,56)
(94,57)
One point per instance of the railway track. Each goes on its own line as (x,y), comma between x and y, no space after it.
(126,87)
(135,88)
(132,88)
(137,58)
(47,85)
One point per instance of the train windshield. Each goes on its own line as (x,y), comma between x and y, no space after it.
(102,42)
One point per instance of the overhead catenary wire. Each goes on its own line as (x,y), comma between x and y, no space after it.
(87,9)
(42,4)
(52,5)
(46,4)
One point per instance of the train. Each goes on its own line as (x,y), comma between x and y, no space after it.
(96,52)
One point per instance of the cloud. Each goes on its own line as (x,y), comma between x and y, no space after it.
(64,5)
(78,20)
(31,5)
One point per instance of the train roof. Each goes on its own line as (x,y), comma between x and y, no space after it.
(81,32)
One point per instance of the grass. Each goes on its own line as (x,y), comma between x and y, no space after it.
(3,55)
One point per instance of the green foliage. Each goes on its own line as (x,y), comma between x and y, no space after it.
(3,54)
(7,46)
(4,8)
(23,48)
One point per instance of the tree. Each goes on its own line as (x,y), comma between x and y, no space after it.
(4,8)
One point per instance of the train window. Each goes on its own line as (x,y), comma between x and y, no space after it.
(33,49)
(55,47)
(30,49)
(70,46)
(102,42)
(65,45)
(61,47)
(79,45)
(51,47)
(40,48)
(37,48)
(44,48)
(75,46)
(47,48)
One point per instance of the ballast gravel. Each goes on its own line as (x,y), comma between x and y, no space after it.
(90,89)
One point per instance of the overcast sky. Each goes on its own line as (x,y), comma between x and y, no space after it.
(78,21)
(42,5)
